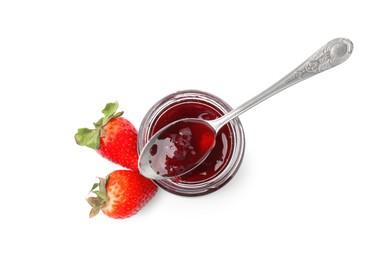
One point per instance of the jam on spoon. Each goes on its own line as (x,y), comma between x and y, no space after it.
(184,144)
(180,147)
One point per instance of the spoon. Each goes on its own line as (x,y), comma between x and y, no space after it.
(182,145)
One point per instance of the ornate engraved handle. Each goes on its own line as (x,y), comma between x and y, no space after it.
(332,54)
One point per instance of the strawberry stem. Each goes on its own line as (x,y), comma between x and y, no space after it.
(91,137)
(101,199)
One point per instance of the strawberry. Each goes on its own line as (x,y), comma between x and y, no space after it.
(121,194)
(113,137)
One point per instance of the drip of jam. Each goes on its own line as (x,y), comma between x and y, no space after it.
(219,155)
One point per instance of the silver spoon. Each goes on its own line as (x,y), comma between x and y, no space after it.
(182,145)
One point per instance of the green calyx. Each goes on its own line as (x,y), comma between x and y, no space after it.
(91,137)
(101,199)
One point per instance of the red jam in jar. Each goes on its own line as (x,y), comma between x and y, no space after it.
(225,158)
(221,152)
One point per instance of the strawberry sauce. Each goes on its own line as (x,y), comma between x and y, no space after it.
(194,137)
(181,147)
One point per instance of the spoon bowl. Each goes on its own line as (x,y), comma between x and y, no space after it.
(177,148)
(182,145)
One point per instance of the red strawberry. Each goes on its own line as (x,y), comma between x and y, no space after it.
(114,138)
(121,194)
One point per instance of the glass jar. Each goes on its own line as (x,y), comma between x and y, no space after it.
(225,158)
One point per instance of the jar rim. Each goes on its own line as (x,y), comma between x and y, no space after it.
(238,142)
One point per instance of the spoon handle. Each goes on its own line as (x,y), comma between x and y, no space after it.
(330,55)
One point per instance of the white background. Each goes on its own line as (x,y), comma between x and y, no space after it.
(315,181)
